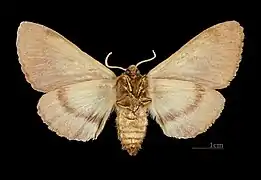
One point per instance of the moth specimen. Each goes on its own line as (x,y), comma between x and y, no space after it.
(80,93)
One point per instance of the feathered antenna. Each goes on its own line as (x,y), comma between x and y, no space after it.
(115,67)
(147,59)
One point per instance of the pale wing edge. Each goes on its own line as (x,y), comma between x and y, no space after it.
(165,62)
(76,114)
(27,77)
(206,104)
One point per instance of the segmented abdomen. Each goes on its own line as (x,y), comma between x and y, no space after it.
(131,128)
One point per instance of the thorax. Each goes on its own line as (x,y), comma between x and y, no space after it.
(132,93)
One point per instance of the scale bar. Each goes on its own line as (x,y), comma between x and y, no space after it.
(207,148)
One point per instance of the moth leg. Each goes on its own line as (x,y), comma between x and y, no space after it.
(123,101)
(124,92)
(145,100)
(142,92)
(125,84)
(129,103)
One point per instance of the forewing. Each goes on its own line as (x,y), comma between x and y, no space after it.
(211,58)
(78,111)
(184,109)
(50,61)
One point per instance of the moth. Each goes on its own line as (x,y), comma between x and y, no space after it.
(80,93)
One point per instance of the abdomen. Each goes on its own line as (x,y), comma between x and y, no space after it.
(131,127)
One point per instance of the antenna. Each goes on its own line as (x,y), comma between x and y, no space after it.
(115,67)
(147,60)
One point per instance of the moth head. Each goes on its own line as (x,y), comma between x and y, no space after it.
(132,71)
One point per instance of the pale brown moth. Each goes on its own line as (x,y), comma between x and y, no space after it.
(80,93)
